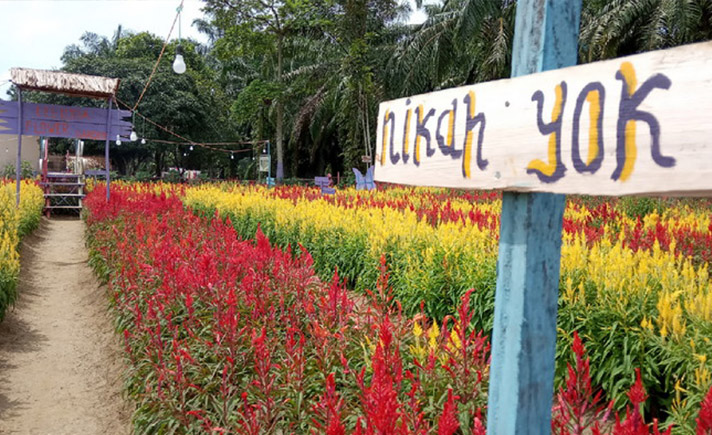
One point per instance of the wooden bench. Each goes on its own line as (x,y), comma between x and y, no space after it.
(95,173)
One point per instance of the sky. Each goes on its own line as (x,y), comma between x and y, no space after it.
(33,34)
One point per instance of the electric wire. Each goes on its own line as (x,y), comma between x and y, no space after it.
(163,49)
(185,140)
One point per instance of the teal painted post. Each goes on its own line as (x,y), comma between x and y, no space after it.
(524,336)
(107,162)
(18,167)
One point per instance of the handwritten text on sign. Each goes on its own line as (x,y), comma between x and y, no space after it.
(640,124)
(51,120)
(54,112)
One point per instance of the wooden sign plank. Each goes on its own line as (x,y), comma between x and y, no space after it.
(55,112)
(633,125)
(72,130)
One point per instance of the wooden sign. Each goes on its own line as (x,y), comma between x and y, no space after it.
(50,120)
(72,130)
(54,112)
(635,125)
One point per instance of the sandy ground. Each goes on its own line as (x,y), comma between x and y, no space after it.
(60,363)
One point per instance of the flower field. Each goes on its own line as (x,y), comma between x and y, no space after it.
(636,288)
(14,224)
(234,331)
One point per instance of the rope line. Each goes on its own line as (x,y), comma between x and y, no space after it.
(185,140)
(208,143)
(163,49)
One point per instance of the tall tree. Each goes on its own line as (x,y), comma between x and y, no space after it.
(325,70)
(612,28)
(259,27)
(461,42)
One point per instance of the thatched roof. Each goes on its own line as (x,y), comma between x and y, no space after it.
(80,85)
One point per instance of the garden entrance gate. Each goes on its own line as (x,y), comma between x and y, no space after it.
(629,126)
(49,120)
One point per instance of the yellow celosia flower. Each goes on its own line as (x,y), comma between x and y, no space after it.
(455,339)
(433,334)
(417,330)
(614,276)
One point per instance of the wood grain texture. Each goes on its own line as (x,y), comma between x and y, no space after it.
(50,120)
(524,332)
(107,162)
(71,130)
(56,112)
(18,161)
(628,126)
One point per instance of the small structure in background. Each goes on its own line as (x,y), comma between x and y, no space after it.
(183,174)
(324,183)
(8,153)
(63,189)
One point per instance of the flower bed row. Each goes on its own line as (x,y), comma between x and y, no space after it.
(232,336)
(637,288)
(15,223)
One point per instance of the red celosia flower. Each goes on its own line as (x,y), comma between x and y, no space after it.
(704,419)
(448,423)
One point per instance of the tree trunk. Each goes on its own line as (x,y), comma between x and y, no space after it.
(159,163)
(280,115)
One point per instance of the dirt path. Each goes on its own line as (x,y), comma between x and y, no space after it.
(60,362)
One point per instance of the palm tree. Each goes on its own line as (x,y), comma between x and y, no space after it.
(338,80)
(613,28)
(461,42)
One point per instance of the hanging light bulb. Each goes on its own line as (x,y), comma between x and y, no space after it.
(118,140)
(191,147)
(179,63)
(143,131)
(133,137)
(232,156)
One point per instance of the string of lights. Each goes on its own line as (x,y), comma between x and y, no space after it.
(175,142)
(214,146)
(184,141)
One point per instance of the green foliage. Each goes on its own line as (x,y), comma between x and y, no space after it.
(635,206)
(622,27)
(26,170)
(173,176)
(329,56)
(143,175)
(193,105)
(253,99)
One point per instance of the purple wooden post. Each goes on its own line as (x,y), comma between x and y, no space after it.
(19,147)
(106,150)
